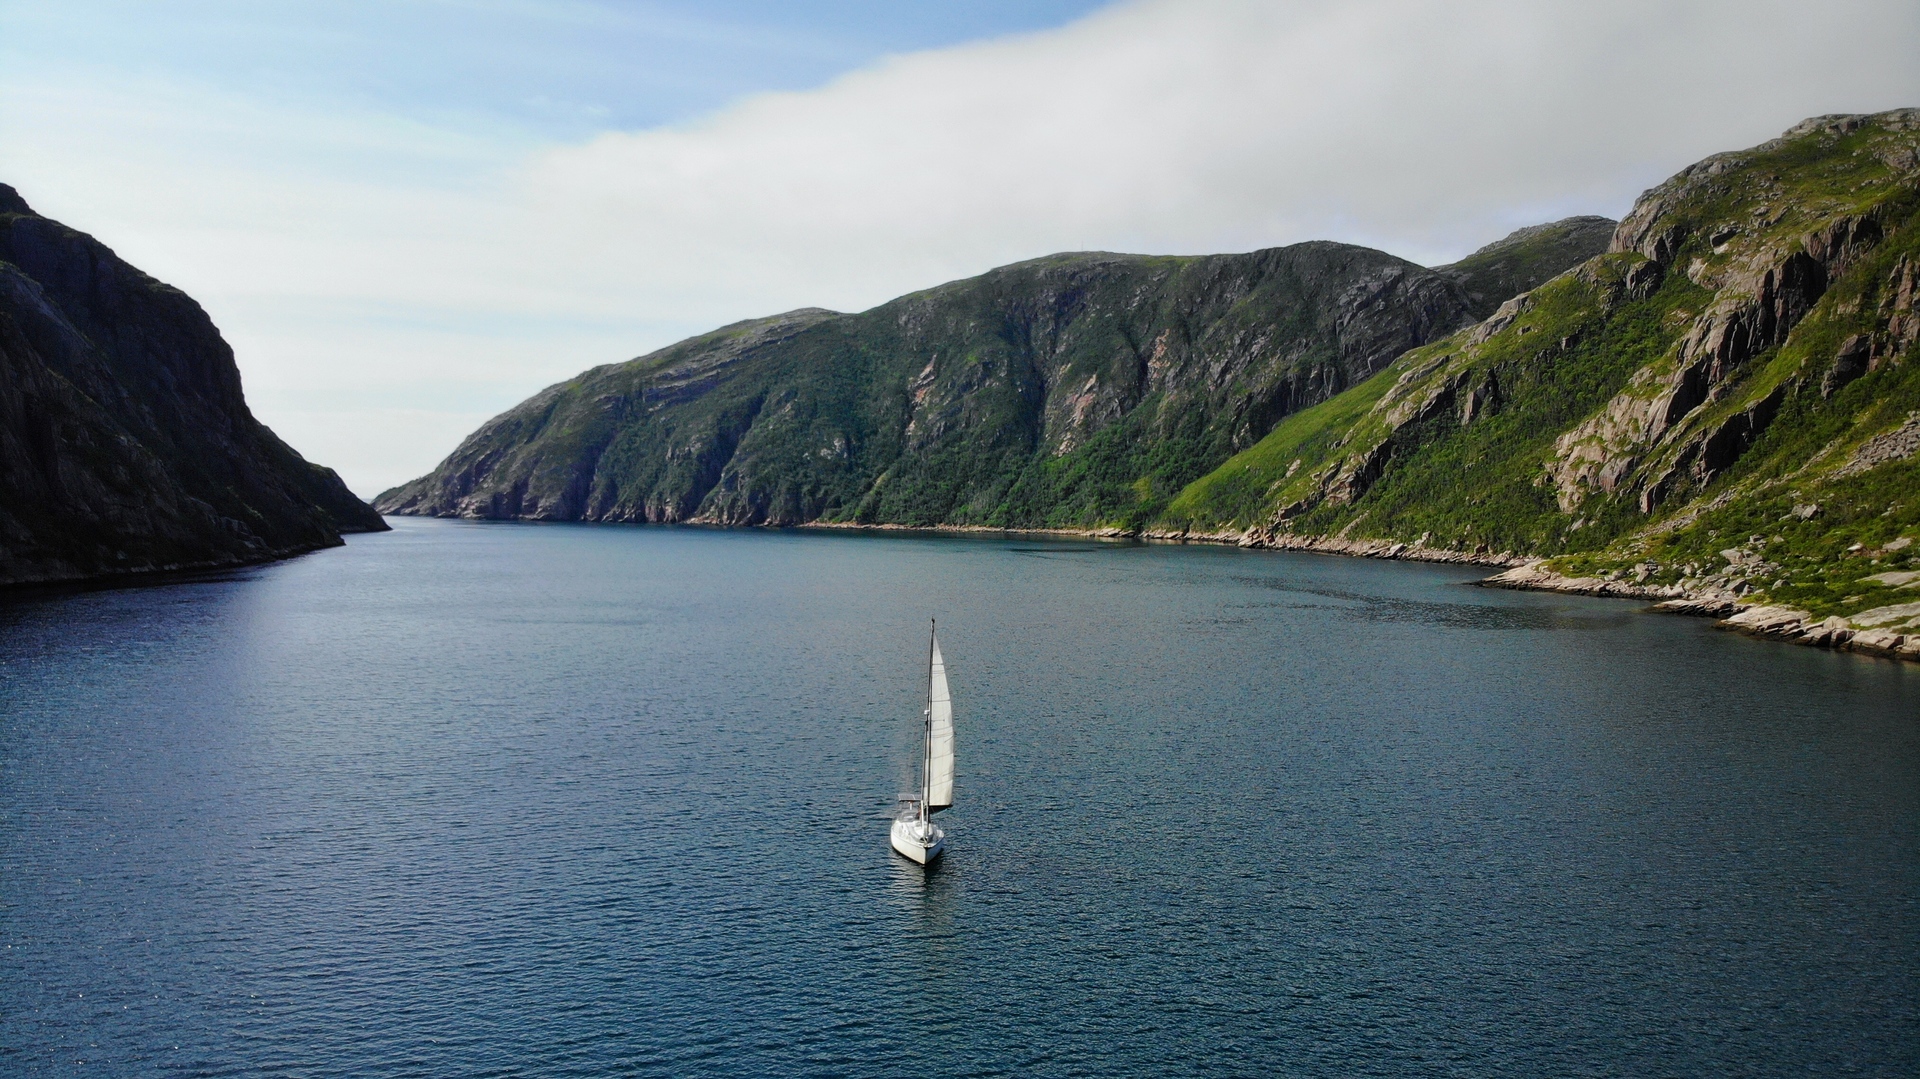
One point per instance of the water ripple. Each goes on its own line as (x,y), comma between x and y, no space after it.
(507,800)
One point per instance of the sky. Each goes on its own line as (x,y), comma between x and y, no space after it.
(409,215)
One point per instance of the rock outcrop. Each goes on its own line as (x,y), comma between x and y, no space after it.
(1721,412)
(125,444)
(1892,631)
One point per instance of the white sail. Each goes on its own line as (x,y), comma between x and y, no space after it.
(940,749)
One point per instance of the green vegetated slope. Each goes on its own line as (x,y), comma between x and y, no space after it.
(1510,266)
(126,445)
(1078,390)
(1727,400)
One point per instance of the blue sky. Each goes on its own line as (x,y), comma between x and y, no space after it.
(407,216)
(556,70)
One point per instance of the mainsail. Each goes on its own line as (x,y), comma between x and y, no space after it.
(939,735)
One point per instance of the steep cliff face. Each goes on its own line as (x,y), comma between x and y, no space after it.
(125,443)
(1722,404)
(1080,389)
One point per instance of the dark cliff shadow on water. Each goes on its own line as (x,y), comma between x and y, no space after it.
(24,594)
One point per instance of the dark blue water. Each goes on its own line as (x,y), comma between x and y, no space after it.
(591,800)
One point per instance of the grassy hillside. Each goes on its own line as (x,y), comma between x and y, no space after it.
(1076,390)
(1727,402)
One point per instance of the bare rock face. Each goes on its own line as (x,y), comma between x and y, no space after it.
(125,443)
(1767,254)
(1717,414)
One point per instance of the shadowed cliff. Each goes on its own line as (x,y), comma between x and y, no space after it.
(125,443)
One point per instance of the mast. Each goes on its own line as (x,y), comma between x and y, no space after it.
(926,767)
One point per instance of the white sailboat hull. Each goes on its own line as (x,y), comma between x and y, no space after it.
(919,842)
(916,837)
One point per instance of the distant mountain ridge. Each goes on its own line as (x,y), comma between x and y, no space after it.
(1076,390)
(126,445)
(1714,402)
(1526,258)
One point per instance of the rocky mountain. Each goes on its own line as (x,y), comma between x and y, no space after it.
(1723,409)
(1077,390)
(1527,258)
(125,443)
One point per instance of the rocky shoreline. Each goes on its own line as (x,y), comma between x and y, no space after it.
(1891,632)
(959,530)
(147,576)
(1282,541)
(1417,551)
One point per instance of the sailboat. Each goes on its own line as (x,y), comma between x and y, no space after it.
(914,833)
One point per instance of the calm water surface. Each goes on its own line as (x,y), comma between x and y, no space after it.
(479,799)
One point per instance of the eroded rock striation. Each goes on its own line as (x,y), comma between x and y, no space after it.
(1720,412)
(125,443)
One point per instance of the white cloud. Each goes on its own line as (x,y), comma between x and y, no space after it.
(1426,128)
(365,268)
